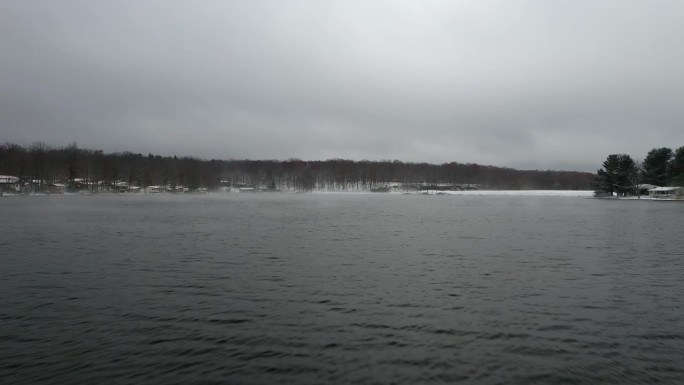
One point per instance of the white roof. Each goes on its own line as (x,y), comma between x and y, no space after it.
(664,189)
(8,179)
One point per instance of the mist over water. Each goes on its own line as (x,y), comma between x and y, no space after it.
(340,288)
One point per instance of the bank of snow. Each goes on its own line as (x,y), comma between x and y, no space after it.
(538,193)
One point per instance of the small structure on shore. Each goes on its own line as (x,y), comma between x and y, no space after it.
(9,183)
(666,193)
(154,189)
(644,188)
(57,188)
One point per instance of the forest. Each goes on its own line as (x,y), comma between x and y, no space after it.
(38,166)
(622,176)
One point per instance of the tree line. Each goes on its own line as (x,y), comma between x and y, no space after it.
(39,165)
(621,175)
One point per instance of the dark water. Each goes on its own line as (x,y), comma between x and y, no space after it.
(264,289)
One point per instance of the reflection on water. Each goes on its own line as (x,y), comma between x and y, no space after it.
(340,289)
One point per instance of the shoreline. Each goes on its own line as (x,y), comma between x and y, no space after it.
(484,193)
(643,198)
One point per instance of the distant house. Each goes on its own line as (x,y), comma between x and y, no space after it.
(154,189)
(645,187)
(120,186)
(9,183)
(666,193)
(78,184)
(56,188)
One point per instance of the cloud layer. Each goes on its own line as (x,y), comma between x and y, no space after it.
(526,84)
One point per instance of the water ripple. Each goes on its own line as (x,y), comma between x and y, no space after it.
(363,289)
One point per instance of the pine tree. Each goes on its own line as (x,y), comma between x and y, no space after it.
(656,166)
(618,175)
(676,168)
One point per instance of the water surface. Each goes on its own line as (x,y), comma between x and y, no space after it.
(340,288)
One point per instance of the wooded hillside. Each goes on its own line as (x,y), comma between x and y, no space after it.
(40,164)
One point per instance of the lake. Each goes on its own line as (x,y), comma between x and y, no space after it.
(340,288)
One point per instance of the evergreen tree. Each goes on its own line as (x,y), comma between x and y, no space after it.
(627,174)
(606,178)
(618,175)
(676,168)
(656,166)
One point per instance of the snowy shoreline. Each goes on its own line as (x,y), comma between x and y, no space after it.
(643,198)
(489,193)
(538,193)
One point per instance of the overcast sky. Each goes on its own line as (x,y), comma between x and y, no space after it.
(527,84)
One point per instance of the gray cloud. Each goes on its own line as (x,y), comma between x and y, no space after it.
(529,84)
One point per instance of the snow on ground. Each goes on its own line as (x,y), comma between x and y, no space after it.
(537,193)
